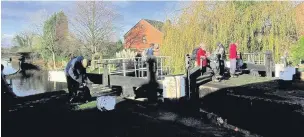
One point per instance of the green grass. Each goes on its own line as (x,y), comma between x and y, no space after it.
(95,71)
(85,106)
(301,69)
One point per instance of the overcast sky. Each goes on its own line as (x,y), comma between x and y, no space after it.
(16,16)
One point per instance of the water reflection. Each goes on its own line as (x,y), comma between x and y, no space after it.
(36,84)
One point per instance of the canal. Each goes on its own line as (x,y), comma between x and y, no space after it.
(36,83)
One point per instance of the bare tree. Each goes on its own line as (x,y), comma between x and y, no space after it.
(93,24)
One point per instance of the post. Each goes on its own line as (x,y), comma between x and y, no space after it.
(124,67)
(141,67)
(98,65)
(151,64)
(135,64)
(187,64)
(161,66)
(264,58)
(260,59)
(55,85)
(268,64)
(105,75)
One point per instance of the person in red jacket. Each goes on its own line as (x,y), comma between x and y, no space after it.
(201,52)
(232,57)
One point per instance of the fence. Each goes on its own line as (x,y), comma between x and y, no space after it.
(254,58)
(135,65)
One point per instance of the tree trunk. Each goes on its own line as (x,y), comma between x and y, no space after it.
(54,63)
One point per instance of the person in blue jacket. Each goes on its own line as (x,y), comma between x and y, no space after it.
(76,74)
(150,51)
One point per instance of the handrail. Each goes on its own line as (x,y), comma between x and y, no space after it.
(138,65)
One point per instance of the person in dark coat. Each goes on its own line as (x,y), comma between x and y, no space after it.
(221,54)
(76,75)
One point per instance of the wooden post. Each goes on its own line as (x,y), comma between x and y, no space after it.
(105,75)
(268,64)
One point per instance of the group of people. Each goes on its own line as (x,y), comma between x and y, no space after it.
(76,68)
(216,60)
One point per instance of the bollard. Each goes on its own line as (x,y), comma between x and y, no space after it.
(188,80)
(124,67)
(268,63)
(105,75)
(151,63)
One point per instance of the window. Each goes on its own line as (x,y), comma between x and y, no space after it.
(144,39)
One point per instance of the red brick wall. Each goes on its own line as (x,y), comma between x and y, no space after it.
(133,39)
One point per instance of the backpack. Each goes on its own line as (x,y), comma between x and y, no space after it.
(194,52)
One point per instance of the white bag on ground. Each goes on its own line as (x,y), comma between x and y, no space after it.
(106,103)
(288,73)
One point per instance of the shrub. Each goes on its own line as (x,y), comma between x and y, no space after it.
(126,53)
(297,51)
(129,54)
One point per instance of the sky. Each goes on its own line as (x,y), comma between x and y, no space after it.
(17,16)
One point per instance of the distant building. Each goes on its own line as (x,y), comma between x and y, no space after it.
(143,34)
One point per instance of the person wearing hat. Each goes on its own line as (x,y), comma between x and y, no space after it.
(76,74)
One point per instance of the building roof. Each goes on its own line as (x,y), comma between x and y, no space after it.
(156,24)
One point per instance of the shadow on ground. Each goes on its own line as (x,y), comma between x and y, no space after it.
(259,109)
(254,107)
(49,114)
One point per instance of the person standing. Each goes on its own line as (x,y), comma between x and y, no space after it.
(221,54)
(75,72)
(150,51)
(232,57)
(201,52)
(239,62)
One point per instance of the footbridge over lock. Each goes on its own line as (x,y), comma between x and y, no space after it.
(127,74)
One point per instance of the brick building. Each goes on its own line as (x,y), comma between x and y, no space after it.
(143,34)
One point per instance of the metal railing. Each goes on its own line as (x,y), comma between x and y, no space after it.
(136,65)
(255,58)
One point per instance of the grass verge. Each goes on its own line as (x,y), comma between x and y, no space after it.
(85,106)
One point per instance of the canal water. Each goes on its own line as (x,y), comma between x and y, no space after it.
(35,84)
